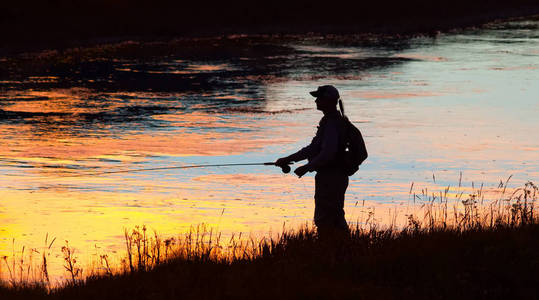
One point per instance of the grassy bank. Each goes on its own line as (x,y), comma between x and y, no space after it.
(472,253)
(501,263)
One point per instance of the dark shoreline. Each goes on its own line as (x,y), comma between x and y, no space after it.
(17,39)
(67,57)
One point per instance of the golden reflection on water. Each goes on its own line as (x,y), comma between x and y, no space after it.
(93,222)
(96,219)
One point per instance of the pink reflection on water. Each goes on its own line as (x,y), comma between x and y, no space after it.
(393,95)
(515,68)
(421,56)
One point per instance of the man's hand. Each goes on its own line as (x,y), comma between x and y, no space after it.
(283,161)
(300,171)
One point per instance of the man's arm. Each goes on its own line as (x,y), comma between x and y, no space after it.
(303,153)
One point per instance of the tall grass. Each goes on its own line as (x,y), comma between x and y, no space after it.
(460,212)
(145,251)
(451,235)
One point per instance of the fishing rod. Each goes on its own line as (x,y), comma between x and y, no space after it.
(284,168)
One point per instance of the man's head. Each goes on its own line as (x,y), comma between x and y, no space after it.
(326,97)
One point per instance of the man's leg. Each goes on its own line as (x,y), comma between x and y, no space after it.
(341,184)
(330,188)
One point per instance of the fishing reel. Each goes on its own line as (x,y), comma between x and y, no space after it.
(285,168)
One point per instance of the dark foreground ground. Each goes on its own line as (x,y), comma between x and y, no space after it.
(494,263)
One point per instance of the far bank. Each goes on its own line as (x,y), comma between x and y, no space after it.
(34,25)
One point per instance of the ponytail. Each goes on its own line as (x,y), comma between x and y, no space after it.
(341,107)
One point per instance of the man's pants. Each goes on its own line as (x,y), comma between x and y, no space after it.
(330,187)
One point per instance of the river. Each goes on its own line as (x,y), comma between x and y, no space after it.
(431,109)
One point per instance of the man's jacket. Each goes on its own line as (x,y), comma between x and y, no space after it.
(326,148)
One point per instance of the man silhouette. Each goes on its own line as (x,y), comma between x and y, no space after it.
(325,153)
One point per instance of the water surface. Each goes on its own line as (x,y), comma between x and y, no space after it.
(429,109)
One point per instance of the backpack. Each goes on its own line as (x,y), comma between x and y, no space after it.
(355,151)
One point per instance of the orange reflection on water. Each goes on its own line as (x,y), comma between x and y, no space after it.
(190,69)
(60,145)
(209,68)
(68,102)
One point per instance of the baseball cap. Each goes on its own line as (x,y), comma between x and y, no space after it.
(326,91)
